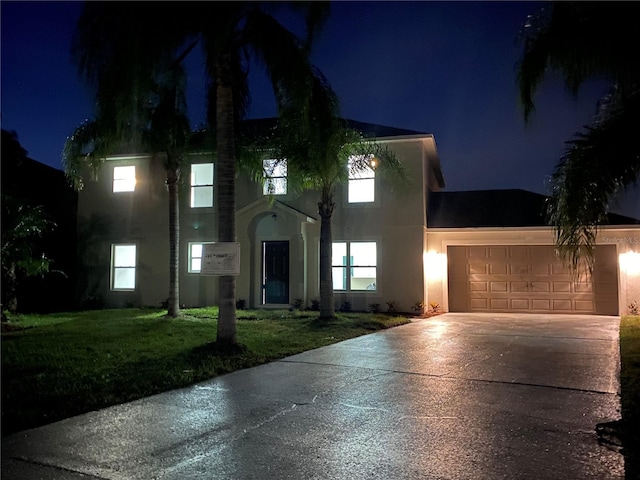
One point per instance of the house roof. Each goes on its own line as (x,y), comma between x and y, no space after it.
(254,126)
(376,131)
(494,208)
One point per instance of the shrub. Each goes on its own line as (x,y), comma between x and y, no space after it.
(392,307)
(418,307)
(374,308)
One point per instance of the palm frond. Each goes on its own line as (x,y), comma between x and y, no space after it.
(579,40)
(598,163)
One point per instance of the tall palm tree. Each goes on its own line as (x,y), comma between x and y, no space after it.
(321,151)
(234,33)
(135,67)
(583,40)
(231,35)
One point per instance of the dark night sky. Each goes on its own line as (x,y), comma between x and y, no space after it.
(446,68)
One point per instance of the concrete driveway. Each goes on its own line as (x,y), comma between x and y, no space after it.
(456,396)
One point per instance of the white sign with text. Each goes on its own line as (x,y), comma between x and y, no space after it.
(220,259)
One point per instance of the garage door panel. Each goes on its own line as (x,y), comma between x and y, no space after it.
(540,287)
(478,269)
(562,305)
(518,269)
(520,304)
(519,287)
(498,269)
(585,306)
(559,269)
(583,287)
(541,304)
(498,252)
(518,252)
(561,287)
(541,269)
(476,252)
(528,278)
(478,286)
(498,287)
(479,304)
(499,304)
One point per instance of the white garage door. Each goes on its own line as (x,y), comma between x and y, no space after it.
(529,278)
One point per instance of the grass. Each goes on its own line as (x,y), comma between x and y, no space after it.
(60,365)
(630,392)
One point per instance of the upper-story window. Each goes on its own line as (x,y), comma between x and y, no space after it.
(362,180)
(124,178)
(201,185)
(275,177)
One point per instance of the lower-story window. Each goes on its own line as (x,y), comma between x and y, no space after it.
(123,267)
(195,256)
(354,266)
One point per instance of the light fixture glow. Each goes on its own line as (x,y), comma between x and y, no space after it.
(435,265)
(630,263)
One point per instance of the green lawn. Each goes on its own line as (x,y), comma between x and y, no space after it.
(60,365)
(630,388)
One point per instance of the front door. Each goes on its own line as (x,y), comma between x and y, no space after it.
(275,272)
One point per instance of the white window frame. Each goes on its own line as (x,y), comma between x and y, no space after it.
(198,186)
(124,178)
(119,264)
(274,172)
(191,257)
(358,178)
(346,269)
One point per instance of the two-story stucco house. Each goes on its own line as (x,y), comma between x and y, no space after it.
(379,238)
(385,248)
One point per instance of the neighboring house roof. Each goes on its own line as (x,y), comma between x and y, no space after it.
(494,208)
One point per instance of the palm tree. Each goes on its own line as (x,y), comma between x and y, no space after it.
(584,40)
(139,82)
(125,61)
(233,34)
(322,151)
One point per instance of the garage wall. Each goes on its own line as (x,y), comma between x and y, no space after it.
(615,285)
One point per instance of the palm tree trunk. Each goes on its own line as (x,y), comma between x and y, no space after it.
(174,243)
(225,137)
(325,209)
(10,290)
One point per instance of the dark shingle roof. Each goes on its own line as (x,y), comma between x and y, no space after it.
(254,125)
(494,208)
(380,131)
(255,129)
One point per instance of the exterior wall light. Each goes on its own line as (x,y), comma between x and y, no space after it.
(435,265)
(630,263)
